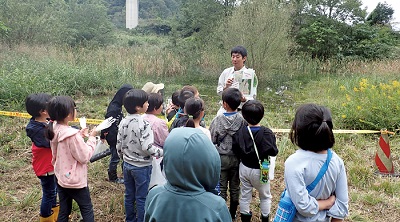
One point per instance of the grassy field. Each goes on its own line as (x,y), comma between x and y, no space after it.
(92,78)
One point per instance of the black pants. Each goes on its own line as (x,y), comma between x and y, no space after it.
(81,196)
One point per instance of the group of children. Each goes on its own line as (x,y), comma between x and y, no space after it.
(199,163)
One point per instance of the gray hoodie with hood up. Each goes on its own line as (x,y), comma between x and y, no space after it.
(222,129)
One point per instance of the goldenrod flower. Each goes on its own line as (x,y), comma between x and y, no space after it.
(396,84)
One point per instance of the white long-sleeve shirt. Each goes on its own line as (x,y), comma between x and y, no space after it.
(229,73)
(301,168)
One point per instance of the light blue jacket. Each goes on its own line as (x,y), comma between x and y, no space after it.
(301,168)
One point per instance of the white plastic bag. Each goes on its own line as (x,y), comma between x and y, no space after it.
(101,150)
(157,177)
(272,167)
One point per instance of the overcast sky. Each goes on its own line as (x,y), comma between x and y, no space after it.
(395,4)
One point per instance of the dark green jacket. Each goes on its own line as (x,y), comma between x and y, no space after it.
(192,168)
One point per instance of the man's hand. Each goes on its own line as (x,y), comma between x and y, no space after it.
(228,83)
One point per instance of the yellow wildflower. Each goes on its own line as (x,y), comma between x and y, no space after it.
(344,116)
(344,104)
(358,107)
(355,89)
(348,98)
(342,87)
(396,84)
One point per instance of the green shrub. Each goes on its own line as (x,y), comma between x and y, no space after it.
(369,104)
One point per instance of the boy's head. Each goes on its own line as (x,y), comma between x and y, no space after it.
(312,128)
(135,101)
(192,89)
(36,104)
(232,98)
(183,96)
(238,57)
(253,112)
(175,97)
(155,103)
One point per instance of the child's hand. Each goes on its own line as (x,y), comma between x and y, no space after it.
(84,132)
(93,132)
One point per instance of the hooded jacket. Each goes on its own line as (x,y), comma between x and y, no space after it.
(41,152)
(222,128)
(192,168)
(114,110)
(70,156)
(244,149)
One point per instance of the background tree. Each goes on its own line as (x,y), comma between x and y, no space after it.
(262,27)
(381,15)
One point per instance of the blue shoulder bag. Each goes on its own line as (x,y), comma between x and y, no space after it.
(286,209)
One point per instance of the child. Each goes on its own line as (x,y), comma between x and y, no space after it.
(312,133)
(158,125)
(249,168)
(192,167)
(222,128)
(41,154)
(173,106)
(181,118)
(194,108)
(70,157)
(135,145)
(110,134)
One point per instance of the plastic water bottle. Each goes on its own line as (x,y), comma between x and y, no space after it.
(264,171)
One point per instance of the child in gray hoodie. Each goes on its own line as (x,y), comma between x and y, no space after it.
(222,128)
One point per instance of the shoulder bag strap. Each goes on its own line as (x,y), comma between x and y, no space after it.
(255,147)
(321,173)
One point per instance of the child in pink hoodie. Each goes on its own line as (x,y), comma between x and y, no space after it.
(70,157)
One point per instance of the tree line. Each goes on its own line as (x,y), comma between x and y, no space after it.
(336,29)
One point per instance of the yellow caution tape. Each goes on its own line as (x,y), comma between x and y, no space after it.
(98,121)
(26,115)
(334,131)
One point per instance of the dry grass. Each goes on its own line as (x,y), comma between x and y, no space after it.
(372,197)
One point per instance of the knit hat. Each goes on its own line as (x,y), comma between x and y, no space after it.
(150,87)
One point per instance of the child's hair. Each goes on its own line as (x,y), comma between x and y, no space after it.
(233,97)
(134,98)
(240,50)
(175,97)
(312,128)
(58,108)
(253,111)
(190,88)
(155,101)
(36,103)
(183,96)
(193,108)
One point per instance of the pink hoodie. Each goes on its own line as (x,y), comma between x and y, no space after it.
(70,156)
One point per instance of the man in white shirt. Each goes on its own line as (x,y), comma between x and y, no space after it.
(238,76)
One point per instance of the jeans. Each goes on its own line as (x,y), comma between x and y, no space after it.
(114,159)
(82,198)
(250,178)
(49,197)
(136,180)
(229,174)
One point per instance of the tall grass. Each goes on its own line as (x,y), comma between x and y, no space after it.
(92,76)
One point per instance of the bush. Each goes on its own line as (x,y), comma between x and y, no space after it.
(370,104)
